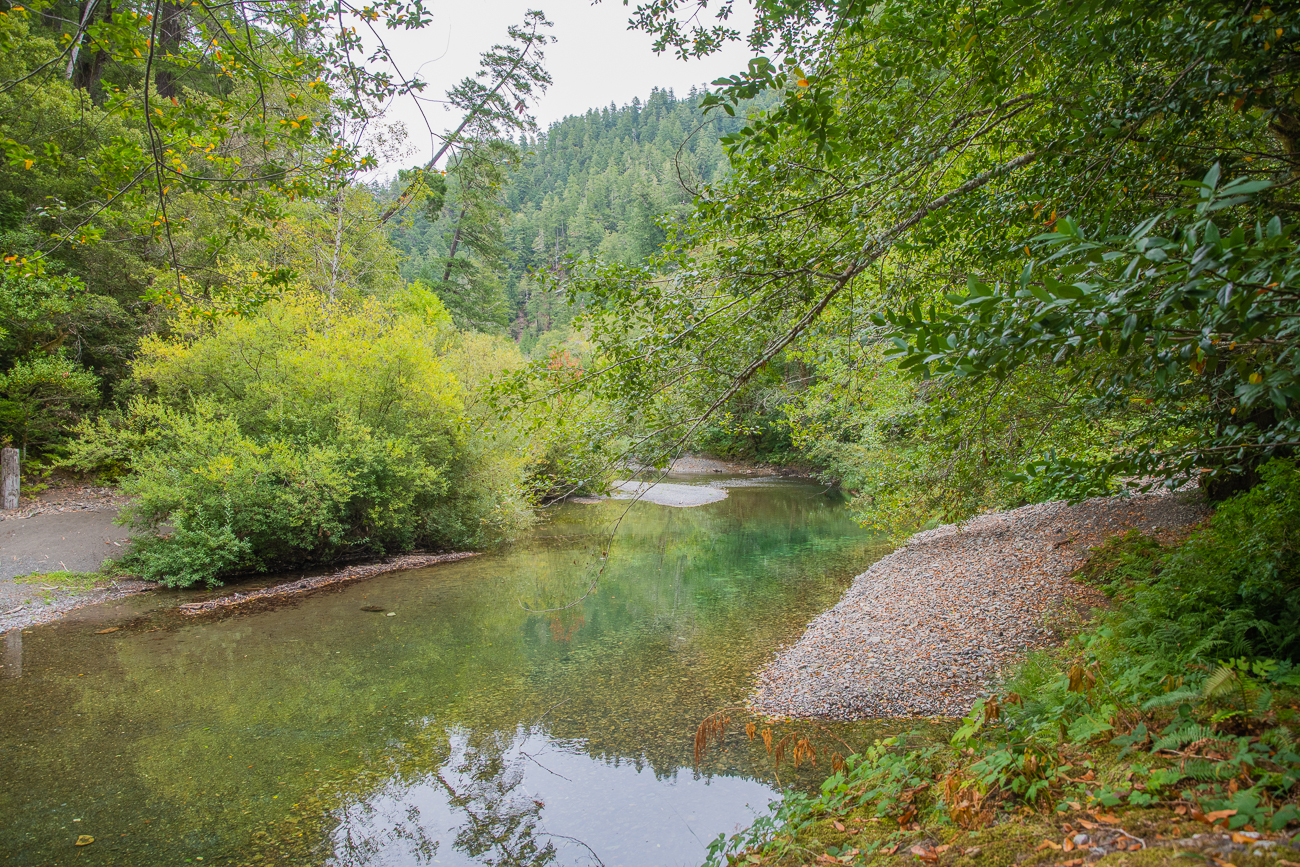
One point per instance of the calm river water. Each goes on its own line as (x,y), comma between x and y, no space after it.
(459,725)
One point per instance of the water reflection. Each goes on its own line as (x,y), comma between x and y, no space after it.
(13,658)
(463,729)
(495,801)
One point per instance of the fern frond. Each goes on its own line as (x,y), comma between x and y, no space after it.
(1200,769)
(1264,703)
(1220,683)
(1280,738)
(1178,696)
(1182,736)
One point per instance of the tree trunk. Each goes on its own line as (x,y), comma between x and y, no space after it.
(9,479)
(89,68)
(171,28)
(455,242)
(1285,126)
(87,10)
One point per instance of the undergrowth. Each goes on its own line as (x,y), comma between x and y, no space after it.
(1179,707)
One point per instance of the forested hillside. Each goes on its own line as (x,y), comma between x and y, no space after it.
(604,184)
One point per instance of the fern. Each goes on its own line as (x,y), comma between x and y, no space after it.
(1178,696)
(1264,703)
(1222,682)
(1175,739)
(1200,769)
(1280,738)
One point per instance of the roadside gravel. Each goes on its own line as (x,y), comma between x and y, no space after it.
(923,631)
(67,498)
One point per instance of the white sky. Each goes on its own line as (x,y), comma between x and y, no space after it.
(595,61)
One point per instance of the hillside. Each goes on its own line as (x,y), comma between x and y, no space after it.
(601,184)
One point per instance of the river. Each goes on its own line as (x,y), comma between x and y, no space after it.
(456,715)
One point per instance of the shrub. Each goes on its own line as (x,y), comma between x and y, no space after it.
(1234,588)
(308,431)
(568,430)
(42,396)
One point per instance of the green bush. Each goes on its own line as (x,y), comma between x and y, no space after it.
(41,397)
(758,436)
(306,432)
(1122,562)
(1234,588)
(570,432)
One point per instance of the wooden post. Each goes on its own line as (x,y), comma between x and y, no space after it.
(9,478)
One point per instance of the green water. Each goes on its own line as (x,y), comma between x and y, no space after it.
(470,727)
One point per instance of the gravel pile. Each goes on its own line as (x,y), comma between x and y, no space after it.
(923,631)
(668,494)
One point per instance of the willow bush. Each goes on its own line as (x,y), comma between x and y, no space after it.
(309,431)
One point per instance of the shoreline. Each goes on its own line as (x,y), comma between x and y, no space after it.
(303,587)
(926,629)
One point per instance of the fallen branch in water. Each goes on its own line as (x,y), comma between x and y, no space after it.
(342,576)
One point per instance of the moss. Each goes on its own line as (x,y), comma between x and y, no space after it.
(63,580)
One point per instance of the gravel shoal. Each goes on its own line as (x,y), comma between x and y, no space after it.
(667,494)
(44,606)
(925,629)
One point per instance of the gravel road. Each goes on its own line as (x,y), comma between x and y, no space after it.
(67,529)
(923,631)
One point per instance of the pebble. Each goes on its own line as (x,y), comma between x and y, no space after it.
(928,628)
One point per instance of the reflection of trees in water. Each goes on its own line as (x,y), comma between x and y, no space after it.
(354,849)
(481,779)
(479,784)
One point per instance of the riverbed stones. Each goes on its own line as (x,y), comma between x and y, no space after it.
(925,630)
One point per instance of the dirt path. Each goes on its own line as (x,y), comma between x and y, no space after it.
(65,529)
(925,629)
(77,541)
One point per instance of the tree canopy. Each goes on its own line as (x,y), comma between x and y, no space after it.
(1095,189)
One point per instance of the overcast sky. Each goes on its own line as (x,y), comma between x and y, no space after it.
(595,61)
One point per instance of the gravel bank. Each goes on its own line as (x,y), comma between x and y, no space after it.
(45,603)
(668,494)
(922,631)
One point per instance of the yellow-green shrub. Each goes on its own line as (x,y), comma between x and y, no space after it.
(306,431)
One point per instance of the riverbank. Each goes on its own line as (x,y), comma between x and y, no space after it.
(924,630)
(57,547)
(1162,730)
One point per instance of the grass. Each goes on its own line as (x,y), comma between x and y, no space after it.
(52,585)
(72,582)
